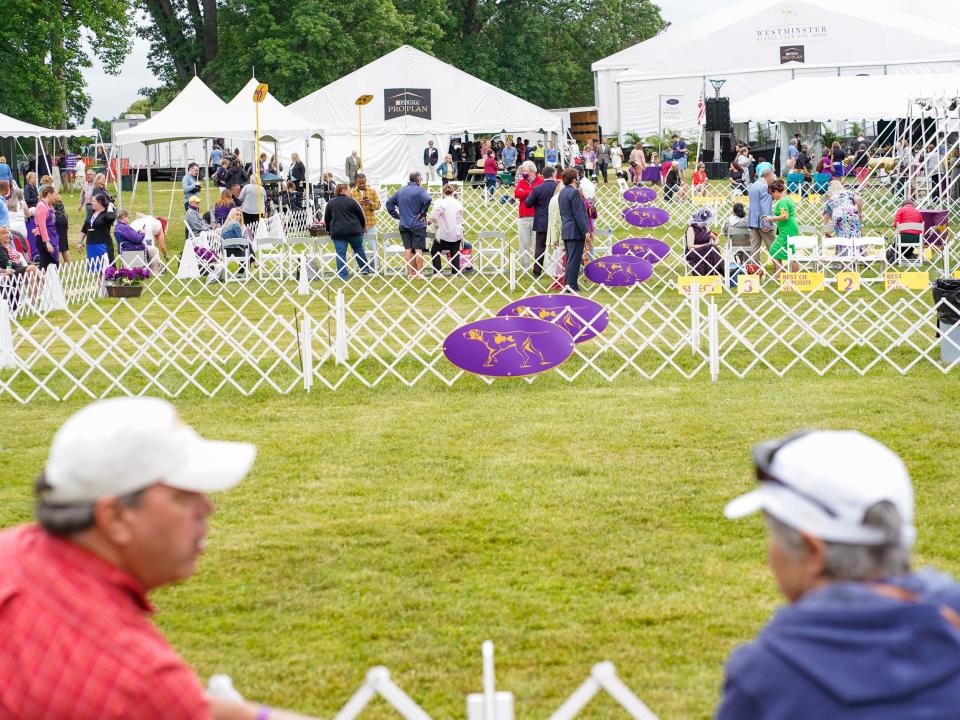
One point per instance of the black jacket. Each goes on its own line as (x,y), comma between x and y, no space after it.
(30,195)
(573,215)
(236,176)
(5,258)
(298,172)
(97,229)
(430,156)
(539,199)
(343,217)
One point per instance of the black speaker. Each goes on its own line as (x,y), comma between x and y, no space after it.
(718,115)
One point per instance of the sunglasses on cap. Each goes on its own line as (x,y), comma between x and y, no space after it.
(763,455)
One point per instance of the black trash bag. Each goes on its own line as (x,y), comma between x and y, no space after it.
(948,291)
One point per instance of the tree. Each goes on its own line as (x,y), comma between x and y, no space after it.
(183,36)
(44,48)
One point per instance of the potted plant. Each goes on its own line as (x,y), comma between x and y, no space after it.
(125,282)
(315,229)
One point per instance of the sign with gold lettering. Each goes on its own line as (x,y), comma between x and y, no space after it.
(801,281)
(848,281)
(708,284)
(906,280)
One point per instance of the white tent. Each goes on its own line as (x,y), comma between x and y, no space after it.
(11,127)
(416,98)
(756,44)
(276,121)
(826,99)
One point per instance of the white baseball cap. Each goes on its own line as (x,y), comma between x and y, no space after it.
(122,445)
(823,482)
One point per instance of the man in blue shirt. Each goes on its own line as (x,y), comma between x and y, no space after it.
(551,155)
(215,156)
(761,205)
(191,186)
(409,206)
(679,148)
(509,156)
(863,636)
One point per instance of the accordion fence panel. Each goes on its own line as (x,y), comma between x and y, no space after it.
(390,331)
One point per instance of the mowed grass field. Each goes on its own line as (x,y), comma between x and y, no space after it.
(568,523)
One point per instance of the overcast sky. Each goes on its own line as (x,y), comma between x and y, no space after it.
(112,94)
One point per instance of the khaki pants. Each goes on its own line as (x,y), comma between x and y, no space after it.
(758,236)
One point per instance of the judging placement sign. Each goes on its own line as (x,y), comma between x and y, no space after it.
(708,284)
(801,281)
(906,280)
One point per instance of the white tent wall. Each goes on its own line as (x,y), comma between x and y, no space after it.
(844,38)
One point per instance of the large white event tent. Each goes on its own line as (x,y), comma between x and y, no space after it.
(11,127)
(756,44)
(416,98)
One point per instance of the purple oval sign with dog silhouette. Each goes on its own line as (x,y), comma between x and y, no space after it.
(649,249)
(647,216)
(638,194)
(508,346)
(579,316)
(618,270)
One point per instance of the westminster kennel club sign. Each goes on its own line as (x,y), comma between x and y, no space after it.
(398,102)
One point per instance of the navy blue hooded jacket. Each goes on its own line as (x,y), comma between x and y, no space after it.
(847,653)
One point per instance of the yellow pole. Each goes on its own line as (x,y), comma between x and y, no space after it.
(258,158)
(360,126)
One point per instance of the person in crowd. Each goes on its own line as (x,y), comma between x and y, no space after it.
(666,165)
(79,173)
(555,233)
(431,156)
(655,163)
(216,157)
(235,192)
(409,205)
(222,174)
(509,157)
(63,224)
(233,238)
(861,163)
(291,199)
(129,239)
(803,163)
(701,251)
(222,207)
(837,156)
(523,149)
(5,172)
(634,173)
(529,179)
(862,636)
(490,169)
(153,231)
(761,205)
(14,211)
(673,181)
(745,161)
(784,216)
(346,223)
(95,232)
(352,167)
(793,151)
(589,156)
(44,165)
(841,215)
(825,164)
(680,151)
(369,201)
(328,185)
(31,197)
(908,224)
(700,180)
(75,583)
(274,167)
(931,168)
(616,159)
(551,155)
(538,199)
(447,219)
(251,201)
(60,169)
(194,219)
(46,240)
(447,170)
(191,185)
(100,187)
(737,219)
(236,175)
(264,166)
(86,192)
(12,261)
(298,172)
(5,193)
(575,231)
(602,151)
(638,157)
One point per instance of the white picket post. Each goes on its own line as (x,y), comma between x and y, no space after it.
(577,701)
(713,340)
(489,684)
(189,267)
(694,297)
(340,338)
(303,283)
(306,344)
(53,296)
(606,675)
(513,270)
(8,358)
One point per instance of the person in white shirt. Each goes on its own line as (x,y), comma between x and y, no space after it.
(447,219)
(616,158)
(152,230)
(251,201)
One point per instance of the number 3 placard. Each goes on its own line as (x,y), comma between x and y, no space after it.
(748,284)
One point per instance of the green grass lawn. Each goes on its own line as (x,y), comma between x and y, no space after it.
(567,523)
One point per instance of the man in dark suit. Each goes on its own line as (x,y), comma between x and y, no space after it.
(575,227)
(539,199)
(430,159)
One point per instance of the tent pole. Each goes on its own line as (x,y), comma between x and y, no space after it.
(149,183)
(119,177)
(206,150)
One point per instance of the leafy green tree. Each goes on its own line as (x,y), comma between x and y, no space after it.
(44,48)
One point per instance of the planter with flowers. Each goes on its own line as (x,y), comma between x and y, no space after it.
(125,282)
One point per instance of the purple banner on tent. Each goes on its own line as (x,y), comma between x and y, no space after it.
(579,316)
(646,248)
(508,346)
(618,270)
(647,216)
(639,194)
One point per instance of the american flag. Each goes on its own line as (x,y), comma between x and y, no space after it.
(700,110)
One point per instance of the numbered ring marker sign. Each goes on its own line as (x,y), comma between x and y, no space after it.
(647,216)
(646,248)
(508,346)
(748,284)
(848,281)
(618,270)
(581,317)
(641,195)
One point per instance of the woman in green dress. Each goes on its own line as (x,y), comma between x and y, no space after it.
(785,216)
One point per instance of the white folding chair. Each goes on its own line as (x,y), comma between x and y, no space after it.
(134,259)
(602,242)
(871,252)
(391,254)
(901,248)
(490,251)
(804,250)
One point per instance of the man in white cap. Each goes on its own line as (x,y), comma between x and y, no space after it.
(863,636)
(121,510)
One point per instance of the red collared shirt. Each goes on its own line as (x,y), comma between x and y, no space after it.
(76,642)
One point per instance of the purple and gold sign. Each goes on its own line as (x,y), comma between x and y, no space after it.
(647,216)
(646,248)
(618,270)
(639,194)
(579,316)
(508,346)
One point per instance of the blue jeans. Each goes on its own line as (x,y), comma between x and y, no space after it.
(491,183)
(356,243)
